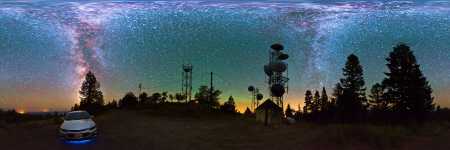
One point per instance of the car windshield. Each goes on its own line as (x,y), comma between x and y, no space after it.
(77,116)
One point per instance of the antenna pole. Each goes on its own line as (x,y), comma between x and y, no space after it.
(186,83)
(211,88)
(140,88)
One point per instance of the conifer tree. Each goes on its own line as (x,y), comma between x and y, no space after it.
(155,98)
(248,112)
(143,98)
(298,114)
(180,97)
(128,101)
(229,106)
(377,102)
(324,104)
(337,91)
(289,112)
(316,103)
(90,94)
(406,87)
(352,102)
(205,99)
(164,97)
(171,98)
(308,102)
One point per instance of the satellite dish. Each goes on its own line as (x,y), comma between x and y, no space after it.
(267,70)
(283,56)
(278,66)
(277,90)
(277,47)
(251,88)
(259,96)
(187,68)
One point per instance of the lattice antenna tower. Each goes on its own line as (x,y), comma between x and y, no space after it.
(186,82)
(276,71)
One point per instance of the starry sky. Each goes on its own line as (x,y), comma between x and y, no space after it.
(48,46)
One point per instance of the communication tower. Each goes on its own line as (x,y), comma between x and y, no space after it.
(276,71)
(186,83)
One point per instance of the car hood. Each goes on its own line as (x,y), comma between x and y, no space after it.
(77,124)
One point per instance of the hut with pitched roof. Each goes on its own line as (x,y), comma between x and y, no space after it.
(269,113)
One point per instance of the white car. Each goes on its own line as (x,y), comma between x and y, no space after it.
(78,125)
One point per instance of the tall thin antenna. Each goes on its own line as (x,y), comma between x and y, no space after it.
(140,88)
(211,88)
(186,82)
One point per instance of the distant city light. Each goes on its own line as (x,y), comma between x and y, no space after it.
(21,111)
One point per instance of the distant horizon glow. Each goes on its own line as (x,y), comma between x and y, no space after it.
(48,46)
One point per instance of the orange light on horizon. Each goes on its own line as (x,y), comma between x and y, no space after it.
(21,111)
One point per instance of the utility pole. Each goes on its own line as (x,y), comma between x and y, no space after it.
(211,88)
(140,88)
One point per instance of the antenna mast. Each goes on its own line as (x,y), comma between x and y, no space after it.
(211,88)
(186,83)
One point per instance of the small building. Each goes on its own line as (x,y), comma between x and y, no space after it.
(269,113)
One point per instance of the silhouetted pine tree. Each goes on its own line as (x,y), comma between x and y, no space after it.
(112,105)
(205,100)
(143,98)
(229,106)
(248,112)
(316,103)
(90,94)
(307,109)
(155,98)
(298,114)
(337,91)
(171,97)
(351,103)
(163,97)
(289,112)
(325,106)
(379,106)
(128,101)
(324,103)
(377,102)
(179,97)
(75,107)
(406,87)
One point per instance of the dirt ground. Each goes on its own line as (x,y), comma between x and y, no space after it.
(134,130)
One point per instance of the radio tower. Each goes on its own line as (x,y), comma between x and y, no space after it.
(186,83)
(276,72)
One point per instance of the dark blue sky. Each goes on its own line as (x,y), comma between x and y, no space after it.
(48,48)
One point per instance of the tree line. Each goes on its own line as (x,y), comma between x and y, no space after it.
(403,95)
(92,99)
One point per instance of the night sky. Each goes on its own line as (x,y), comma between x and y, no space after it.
(47,47)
